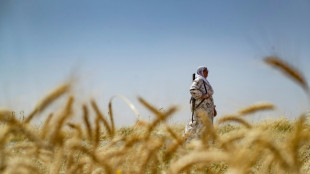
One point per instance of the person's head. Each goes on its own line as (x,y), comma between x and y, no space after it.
(203,71)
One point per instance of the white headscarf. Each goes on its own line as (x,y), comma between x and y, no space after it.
(200,73)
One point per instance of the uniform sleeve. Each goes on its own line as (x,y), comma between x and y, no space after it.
(210,90)
(195,89)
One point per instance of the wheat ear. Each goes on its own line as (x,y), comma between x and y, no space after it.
(197,157)
(102,118)
(235,119)
(96,133)
(46,125)
(161,116)
(256,107)
(56,93)
(87,124)
(111,119)
(55,137)
(289,71)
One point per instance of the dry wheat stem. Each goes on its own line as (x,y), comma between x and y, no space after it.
(102,118)
(111,118)
(256,107)
(174,136)
(263,142)
(76,168)
(295,141)
(45,102)
(208,130)
(94,158)
(77,129)
(46,125)
(55,137)
(57,161)
(96,133)
(87,124)
(150,153)
(288,70)
(151,108)
(161,116)
(235,119)
(21,166)
(129,103)
(197,157)
(227,144)
(7,116)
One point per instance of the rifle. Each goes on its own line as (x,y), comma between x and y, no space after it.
(193,101)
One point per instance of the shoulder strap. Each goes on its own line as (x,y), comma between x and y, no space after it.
(204,84)
(204,98)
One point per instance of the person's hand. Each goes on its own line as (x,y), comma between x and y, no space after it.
(215,112)
(205,96)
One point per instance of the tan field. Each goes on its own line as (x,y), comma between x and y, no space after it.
(232,146)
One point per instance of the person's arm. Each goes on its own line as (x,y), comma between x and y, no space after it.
(209,91)
(195,89)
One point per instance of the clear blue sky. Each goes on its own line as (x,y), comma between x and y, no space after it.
(150,49)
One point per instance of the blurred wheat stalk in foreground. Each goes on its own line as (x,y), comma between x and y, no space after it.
(61,146)
(289,71)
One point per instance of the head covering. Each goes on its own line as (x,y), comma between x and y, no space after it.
(199,75)
(200,71)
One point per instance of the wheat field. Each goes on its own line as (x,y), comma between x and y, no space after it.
(232,145)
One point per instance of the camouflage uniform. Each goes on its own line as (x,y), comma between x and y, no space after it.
(206,109)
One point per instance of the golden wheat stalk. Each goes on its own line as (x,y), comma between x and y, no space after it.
(102,118)
(77,129)
(174,147)
(46,125)
(208,131)
(161,116)
(111,118)
(55,137)
(289,71)
(264,142)
(296,140)
(53,95)
(197,157)
(7,116)
(174,136)
(4,138)
(128,102)
(93,157)
(256,107)
(22,129)
(97,133)
(45,155)
(150,107)
(155,165)
(87,124)
(234,118)
(228,144)
(106,155)
(22,166)
(151,153)
(57,162)
(76,168)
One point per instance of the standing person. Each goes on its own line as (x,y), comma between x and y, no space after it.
(201,91)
